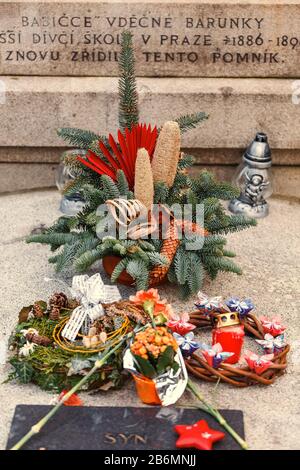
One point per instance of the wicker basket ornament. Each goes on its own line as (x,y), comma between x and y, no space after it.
(239,376)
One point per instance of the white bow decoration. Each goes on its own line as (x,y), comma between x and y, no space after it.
(91,292)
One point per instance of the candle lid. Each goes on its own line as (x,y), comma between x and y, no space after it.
(226,319)
(259,152)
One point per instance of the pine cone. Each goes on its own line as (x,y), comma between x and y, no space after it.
(58,299)
(169,248)
(38,339)
(54,313)
(37,311)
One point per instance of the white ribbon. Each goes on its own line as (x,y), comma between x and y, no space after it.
(91,292)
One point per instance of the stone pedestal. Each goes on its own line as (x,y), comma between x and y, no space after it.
(237,61)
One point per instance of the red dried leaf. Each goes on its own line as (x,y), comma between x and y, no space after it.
(73,400)
(122,155)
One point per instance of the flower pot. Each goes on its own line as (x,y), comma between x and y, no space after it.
(146,390)
(109,263)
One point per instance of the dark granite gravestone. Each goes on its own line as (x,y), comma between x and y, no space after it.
(116,428)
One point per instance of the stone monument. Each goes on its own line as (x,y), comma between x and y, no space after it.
(239,61)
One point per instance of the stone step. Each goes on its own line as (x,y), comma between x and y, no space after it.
(207,156)
(27,176)
(217,38)
(34,107)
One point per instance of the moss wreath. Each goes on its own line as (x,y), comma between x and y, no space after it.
(241,376)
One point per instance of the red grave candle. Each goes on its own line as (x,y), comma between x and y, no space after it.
(230,337)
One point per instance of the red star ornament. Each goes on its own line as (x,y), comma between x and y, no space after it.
(198,435)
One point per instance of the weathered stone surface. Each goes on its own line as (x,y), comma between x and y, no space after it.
(180,38)
(23,176)
(34,107)
(207,156)
(30,154)
(26,176)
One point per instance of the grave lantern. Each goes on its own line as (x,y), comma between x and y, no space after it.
(253,178)
(69,205)
(229,333)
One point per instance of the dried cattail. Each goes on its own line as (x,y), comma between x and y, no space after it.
(166,154)
(143,179)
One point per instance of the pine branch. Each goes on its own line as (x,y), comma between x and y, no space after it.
(229,254)
(122,183)
(128,98)
(80,138)
(110,189)
(195,273)
(119,268)
(70,160)
(93,196)
(157,259)
(228,224)
(161,192)
(63,224)
(221,264)
(66,257)
(185,162)
(87,259)
(138,270)
(181,266)
(191,121)
(52,238)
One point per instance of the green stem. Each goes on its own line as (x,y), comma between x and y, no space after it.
(38,426)
(217,415)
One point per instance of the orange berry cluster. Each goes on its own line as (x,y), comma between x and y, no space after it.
(153,340)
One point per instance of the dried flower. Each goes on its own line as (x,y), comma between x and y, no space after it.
(31,331)
(27,349)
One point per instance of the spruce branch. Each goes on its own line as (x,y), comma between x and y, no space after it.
(80,138)
(128,98)
(110,189)
(191,121)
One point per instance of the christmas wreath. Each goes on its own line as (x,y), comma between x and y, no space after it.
(212,364)
(42,356)
(142,166)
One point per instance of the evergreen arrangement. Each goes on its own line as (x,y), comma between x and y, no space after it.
(143,163)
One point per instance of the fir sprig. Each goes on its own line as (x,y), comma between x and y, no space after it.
(128,98)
